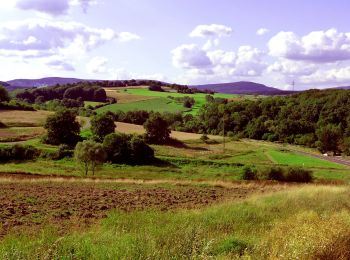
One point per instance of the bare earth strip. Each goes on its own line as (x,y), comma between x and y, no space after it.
(29,201)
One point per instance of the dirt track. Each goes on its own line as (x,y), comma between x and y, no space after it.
(27,202)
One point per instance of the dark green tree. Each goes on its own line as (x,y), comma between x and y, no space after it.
(141,152)
(157,129)
(62,128)
(102,125)
(4,95)
(117,148)
(329,137)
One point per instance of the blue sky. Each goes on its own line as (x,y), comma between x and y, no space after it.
(272,41)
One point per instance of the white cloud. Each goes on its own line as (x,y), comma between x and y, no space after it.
(328,76)
(319,46)
(189,56)
(53,7)
(127,36)
(262,31)
(219,65)
(40,37)
(292,68)
(211,30)
(97,65)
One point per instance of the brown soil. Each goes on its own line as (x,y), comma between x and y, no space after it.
(27,203)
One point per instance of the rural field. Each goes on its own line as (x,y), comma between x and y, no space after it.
(192,203)
(138,98)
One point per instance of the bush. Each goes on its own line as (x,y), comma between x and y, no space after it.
(18,153)
(122,148)
(298,174)
(249,174)
(275,173)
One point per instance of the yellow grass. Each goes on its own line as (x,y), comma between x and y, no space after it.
(15,134)
(23,118)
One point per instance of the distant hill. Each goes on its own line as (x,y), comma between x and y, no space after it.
(344,87)
(243,87)
(30,83)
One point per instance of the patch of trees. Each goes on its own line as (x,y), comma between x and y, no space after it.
(157,129)
(156,88)
(127,149)
(81,91)
(18,153)
(313,118)
(187,102)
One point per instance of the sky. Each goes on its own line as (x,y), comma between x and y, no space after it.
(274,42)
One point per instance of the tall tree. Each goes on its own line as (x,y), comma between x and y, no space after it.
(102,125)
(62,128)
(4,95)
(90,154)
(157,129)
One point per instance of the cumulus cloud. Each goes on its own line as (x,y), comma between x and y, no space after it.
(204,65)
(292,68)
(319,46)
(328,76)
(39,37)
(56,7)
(262,31)
(53,7)
(190,56)
(211,30)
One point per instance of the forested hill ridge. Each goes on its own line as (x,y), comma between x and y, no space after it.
(243,87)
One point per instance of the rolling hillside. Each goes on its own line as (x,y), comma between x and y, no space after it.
(243,87)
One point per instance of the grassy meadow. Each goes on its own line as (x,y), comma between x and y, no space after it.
(144,99)
(191,203)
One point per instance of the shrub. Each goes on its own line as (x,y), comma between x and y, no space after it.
(122,148)
(204,138)
(275,173)
(18,153)
(298,174)
(249,173)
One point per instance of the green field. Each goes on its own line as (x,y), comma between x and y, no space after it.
(161,102)
(156,105)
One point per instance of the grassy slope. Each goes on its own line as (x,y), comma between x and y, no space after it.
(301,223)
(157,105)
(195,161)
(162,103)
